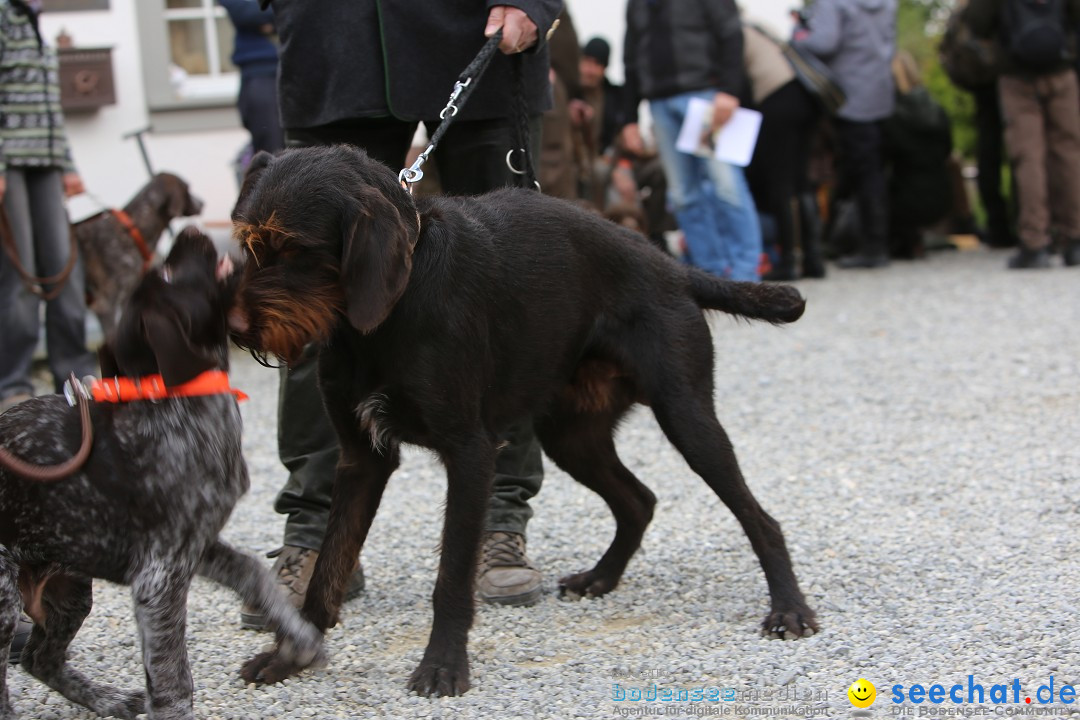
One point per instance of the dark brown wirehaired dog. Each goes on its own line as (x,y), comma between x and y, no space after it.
(443,320)
(112,256)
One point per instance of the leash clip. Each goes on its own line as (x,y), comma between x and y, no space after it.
(75,391)
(413,174)
(451,109)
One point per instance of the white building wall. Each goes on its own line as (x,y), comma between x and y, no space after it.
(112,167)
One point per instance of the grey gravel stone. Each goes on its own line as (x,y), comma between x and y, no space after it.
(917,434)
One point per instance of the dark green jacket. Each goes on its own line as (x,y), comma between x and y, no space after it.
(350,59)
(985,19)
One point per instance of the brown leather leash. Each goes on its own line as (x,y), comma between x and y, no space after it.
(52,473)
(33,283)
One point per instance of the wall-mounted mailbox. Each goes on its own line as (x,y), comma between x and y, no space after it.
(86,78)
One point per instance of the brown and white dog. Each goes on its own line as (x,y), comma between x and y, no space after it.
(118,245)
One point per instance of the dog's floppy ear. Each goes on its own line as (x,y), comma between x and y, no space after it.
(376,258)
(178,195)
(255,169)
(107,359)
(167,335)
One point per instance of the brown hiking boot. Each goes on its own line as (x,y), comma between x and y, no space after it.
(293,569)
(506,576)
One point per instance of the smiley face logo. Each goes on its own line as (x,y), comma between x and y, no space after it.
(862,693)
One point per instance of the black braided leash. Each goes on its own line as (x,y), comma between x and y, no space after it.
(463,88)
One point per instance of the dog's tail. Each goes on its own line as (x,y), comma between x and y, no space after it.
(759,301)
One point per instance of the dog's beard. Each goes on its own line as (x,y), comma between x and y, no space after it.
(283,326)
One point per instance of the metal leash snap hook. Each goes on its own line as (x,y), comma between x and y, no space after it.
(75,391)
(408,176)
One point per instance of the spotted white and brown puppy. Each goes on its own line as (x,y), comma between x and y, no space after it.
(145,510)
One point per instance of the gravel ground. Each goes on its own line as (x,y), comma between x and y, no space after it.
(916,434)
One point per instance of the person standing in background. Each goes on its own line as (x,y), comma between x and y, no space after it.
(778,170)
(256,55)
(560,167)
(1039,96)
(36,172)
(677,50)
(857,40)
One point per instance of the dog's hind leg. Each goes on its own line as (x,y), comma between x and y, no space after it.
(160,593)
(10,602)
(687,417)
(66,601)
(581,443)
(298,641)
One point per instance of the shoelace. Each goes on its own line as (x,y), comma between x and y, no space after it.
(292,565)
(505,550)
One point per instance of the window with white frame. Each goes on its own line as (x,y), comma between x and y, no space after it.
(185,52)
(200,41)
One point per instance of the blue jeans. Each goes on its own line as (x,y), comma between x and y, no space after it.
(711,199)
(34,202)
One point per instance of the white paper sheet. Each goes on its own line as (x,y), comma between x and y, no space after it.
(735,141)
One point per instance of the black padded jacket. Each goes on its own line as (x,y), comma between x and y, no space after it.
(678,46)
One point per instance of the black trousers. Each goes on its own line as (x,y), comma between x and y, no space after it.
(258,106)
(470,159)
(863,178)
(777,173)
(989,156)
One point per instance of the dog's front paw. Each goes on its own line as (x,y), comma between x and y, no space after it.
(305,651)
(586,584)
(790,624)
(272,667)
(441,677)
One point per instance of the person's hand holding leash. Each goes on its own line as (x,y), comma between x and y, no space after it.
(73,184)
(519,32)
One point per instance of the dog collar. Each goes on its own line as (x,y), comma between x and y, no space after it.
(136,235)
(152,387)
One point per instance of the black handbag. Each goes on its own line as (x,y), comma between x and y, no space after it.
(811,73)
(816,77)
